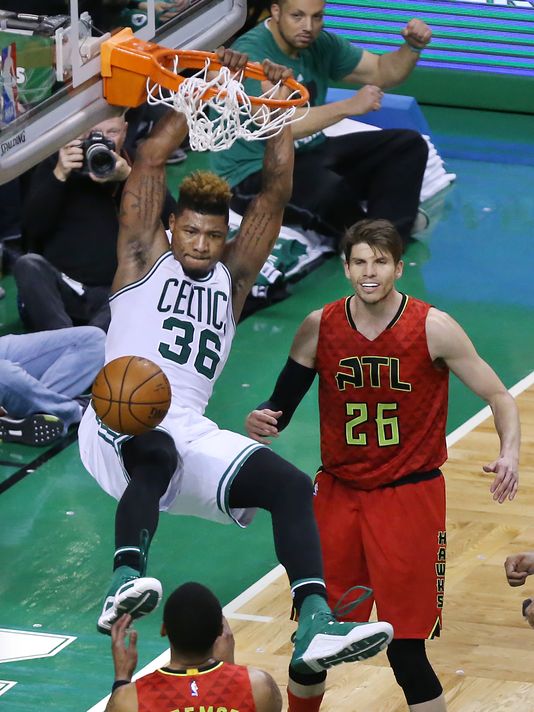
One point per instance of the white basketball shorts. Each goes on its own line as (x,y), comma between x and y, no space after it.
(208,461)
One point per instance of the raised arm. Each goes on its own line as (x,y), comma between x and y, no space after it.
(261,223)
(318,118)
(142,238)
(224,646)
(448,341)
(392,68)
(123,697)
(375,72)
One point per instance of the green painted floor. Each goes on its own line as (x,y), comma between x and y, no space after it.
(56,526)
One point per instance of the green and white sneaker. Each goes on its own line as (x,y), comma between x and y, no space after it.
(128,593)
(321,641)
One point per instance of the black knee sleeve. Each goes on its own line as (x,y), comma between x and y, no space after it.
(151,456)
(268,481)
(413,671)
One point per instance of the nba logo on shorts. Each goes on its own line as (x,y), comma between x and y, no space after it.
(194,689)
(315,489)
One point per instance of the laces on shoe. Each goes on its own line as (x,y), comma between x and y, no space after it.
(343,607)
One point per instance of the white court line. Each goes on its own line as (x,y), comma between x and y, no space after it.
(481,416)
(249,617)
(230,609)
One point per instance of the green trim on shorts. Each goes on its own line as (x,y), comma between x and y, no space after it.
(228,477)
(116,440)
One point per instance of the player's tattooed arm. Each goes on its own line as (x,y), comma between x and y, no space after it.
(142,237)
(261,223)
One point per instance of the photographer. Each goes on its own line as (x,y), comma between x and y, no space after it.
(70,227)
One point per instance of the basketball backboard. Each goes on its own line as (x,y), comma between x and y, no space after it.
(68,100)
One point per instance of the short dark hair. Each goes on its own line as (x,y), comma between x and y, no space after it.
(204,192)
(193,618)
(380,235)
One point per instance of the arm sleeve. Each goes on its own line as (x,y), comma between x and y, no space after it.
(292,385)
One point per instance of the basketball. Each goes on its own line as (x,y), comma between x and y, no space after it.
(131,395)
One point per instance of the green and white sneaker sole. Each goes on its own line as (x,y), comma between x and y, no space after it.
(362,642)
(138,597)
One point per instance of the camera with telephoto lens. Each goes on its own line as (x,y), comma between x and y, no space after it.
(98,157)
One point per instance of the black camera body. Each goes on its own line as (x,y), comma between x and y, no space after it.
(98,157)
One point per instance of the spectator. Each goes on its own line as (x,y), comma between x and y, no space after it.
(41,378)
(201,673)
(70,225)
(334,175)
(10,217)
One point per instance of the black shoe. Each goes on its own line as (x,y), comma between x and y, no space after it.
(38,429)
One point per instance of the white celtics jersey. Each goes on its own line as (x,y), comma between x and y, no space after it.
(184,325)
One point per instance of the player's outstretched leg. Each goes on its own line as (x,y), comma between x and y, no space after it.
(150,460)
(130,592)
(321,641)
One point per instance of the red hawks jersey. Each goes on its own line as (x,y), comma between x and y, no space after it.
(220,687)
(382,402)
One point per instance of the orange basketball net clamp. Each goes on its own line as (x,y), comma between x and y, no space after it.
(213,100)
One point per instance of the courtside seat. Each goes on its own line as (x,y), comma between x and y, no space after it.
(397,112)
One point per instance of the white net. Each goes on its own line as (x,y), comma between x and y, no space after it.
(216,122)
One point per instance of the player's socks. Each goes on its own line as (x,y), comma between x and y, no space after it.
(128,593)
(313,589)
(304,704)
(128,556)
(321,641)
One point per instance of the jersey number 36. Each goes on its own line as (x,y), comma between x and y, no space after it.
(209,346)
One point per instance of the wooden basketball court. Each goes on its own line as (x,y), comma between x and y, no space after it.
(485,657)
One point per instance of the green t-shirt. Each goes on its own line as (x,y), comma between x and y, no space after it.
(327,60)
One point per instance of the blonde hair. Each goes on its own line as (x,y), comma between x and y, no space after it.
(204,192)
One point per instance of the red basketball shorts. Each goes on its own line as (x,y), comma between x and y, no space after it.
(391,539)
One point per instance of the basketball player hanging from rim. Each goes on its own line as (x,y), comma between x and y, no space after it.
(178,307)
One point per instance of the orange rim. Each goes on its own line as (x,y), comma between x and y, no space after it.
(196,59)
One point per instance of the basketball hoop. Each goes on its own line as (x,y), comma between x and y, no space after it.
(214,102)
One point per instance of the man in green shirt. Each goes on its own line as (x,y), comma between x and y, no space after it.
(333,176)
